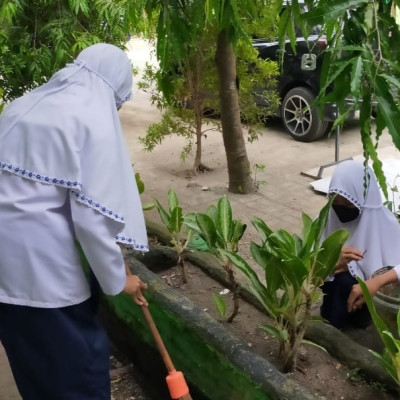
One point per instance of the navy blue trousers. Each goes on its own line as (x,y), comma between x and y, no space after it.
(56,354)
(334,304)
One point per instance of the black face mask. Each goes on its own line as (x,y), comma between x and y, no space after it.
(346,214)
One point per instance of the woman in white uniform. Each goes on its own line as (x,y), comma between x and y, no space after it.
(66,177)
(374,242)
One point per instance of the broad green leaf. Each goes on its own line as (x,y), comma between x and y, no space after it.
(333,76)
(392,80)
(378,322)
(283,243)
(356,75)
(212,212)
(272,330)
(329,254)
(224,219)
(307,224)
(265,261)
(369,15)
(387,365)
(173,201)
(298,244)
(191,223)
(314,344)
(329,10)
(388,109)
(198,243)
(148,206)
(242,265)
(321,220)
(294,271)
(262,228)
(220,305)
(207,229)
(176,219)
(391,344)
(139,183)
(238,230)
(165,217)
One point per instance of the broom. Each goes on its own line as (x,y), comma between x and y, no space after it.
(176,383)
(178,389)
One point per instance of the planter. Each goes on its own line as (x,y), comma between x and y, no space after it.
(216,365)
(387,303)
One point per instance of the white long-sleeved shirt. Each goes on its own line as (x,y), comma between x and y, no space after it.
(39,263)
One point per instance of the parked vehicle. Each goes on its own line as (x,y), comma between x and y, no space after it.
(298,86)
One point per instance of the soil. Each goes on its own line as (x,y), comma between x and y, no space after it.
(318,371)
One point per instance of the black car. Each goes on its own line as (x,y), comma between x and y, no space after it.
(298,86)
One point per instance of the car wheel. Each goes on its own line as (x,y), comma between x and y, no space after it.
(302,122)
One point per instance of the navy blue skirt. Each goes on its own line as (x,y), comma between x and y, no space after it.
(57,354)
(334,304)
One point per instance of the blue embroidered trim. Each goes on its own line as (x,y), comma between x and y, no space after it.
(24,173)
(132,243)
(111,214)
(97,206)
(128,97)
(347,196)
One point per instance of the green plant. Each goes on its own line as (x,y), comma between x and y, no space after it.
(219,232)
(220,305)
(294,269)
(39,37)
(173,221)
(256,169)
(390,358)
(391,204)
(141,187)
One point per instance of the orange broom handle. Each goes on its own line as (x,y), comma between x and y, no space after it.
(157,338)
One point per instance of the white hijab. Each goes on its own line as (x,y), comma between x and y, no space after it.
(67,133)
(376,231)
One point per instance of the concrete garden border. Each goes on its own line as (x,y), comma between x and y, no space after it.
(216,365)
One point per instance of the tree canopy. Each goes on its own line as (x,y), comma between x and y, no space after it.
(38,37)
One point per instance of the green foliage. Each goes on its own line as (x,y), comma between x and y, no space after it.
(39,37)
(361,61)
(220,305)
(173,219)
(141,187)
(219,232)
(185,84)
(294,269)
(256,169)
(218,228)
(390,358)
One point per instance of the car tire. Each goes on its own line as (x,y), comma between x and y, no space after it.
(302,122)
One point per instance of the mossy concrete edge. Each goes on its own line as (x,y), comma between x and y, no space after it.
(185,328)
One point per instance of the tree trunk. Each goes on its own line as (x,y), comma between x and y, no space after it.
(194,89)
(238,163)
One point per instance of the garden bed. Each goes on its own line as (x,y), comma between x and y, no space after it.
(215,363)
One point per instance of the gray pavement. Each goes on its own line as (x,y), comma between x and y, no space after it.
(280,202)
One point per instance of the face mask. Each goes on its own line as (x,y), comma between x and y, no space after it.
(346,214)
